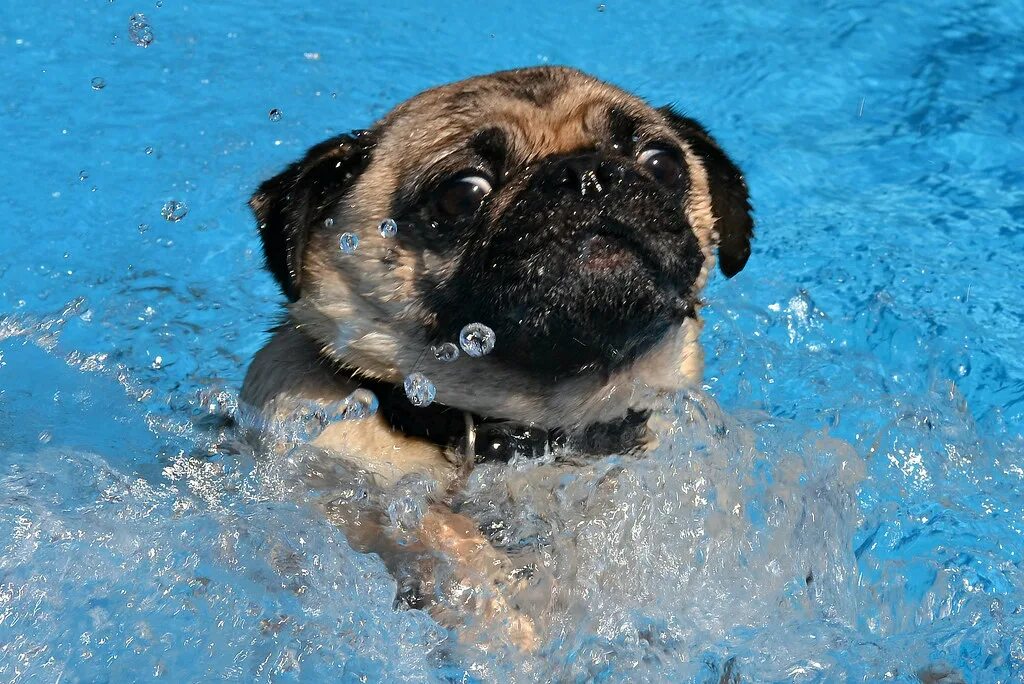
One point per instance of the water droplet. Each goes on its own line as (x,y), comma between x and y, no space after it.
(328,222)
(174,211)
(348,242)
(446,352)
(275,114)
(139,30)
(83,175)
(98,83)
(149,150)
(217,400)
(962,366)
(420,389)
(476,339)
(388,228)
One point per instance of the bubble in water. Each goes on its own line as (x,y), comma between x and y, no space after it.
(143,227)
(420,389)
(328,222)
(409,502)
(275,114)
(446,352)
(476,339)
(601,7)
(139,30)
(309,423)
(174,211)
(149,150)
(348,242)
(98,83)
(388,228)
(359,405)
(82,175)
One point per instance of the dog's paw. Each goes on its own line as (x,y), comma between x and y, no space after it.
(483,615)
(477,593)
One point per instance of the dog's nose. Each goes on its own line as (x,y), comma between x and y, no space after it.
(585,175)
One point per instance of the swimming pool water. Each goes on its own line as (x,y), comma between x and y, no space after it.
(843,502)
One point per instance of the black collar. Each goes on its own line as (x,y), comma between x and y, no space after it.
(494,439)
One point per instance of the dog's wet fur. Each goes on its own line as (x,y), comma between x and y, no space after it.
(588,269)
(574,219)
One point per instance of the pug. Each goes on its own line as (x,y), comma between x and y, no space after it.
(569,223)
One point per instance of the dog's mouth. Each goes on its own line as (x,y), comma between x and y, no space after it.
(576,290)
(562,311)
(603,254)
(612,246)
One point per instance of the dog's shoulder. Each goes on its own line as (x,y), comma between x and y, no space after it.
(288,370)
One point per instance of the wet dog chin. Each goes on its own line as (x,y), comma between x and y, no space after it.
(591,307)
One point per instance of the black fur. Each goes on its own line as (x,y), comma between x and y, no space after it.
(526,273)
(730,199)
(287,204)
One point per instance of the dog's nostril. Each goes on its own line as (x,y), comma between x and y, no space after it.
(585,175)
(580,166)
(611,171)
(564,177)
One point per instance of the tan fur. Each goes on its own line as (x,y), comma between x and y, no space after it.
(361,310)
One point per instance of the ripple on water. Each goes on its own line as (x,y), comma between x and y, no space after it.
(879,313)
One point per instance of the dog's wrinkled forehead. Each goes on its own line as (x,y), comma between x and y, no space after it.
(536,113)
(508,128)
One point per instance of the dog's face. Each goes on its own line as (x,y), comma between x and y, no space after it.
(570,217)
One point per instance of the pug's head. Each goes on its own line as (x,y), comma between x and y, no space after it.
(575,220)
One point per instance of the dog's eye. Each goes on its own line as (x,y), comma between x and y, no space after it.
(463,195)
(661,163)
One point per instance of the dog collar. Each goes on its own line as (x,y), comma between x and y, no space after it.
(471,438)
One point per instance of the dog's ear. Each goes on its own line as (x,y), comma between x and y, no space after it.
(286,204)
(730,201)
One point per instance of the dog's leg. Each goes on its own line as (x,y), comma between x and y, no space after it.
(479,569)
(476,599)
(287,375)
(373,446)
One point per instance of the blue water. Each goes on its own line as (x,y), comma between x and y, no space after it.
(864,406)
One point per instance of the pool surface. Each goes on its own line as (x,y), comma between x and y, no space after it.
(844,502)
